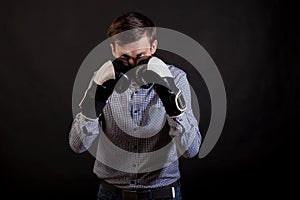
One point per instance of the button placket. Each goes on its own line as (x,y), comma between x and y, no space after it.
(135,106)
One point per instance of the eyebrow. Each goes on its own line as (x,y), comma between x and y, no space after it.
(127,56)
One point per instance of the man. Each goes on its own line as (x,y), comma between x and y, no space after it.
(139,111)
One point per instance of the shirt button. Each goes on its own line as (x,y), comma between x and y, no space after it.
(135,111)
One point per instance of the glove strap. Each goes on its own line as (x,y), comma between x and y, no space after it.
(180,102)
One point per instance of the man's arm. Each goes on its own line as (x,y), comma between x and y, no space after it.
(174,92)
(184,129)
(85,127)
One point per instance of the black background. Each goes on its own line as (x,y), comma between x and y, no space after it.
(253,43)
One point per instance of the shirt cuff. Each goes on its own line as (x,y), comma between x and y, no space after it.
(179,124)
(82,116)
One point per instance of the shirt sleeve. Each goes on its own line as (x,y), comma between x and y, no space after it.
(83,133)
(184,129)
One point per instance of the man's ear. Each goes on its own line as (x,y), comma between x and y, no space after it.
(113,50)
(154,46)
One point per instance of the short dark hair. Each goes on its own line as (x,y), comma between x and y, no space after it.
(138,23)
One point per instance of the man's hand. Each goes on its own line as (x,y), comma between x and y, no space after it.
(156,71)
(111,76)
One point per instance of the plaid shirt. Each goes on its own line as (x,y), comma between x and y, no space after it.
(138,144)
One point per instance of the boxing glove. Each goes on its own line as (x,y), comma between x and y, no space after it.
(156,71)
(110,76)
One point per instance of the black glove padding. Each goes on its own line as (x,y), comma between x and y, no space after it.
(111,76)
(96,98)
(172,99)
(122,81)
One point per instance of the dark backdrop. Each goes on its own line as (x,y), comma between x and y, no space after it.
(254,44)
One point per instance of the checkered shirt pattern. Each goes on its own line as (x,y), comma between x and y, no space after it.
(135,122)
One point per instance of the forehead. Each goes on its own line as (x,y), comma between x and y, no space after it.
(134,47)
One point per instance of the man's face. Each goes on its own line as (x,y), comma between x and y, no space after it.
(135,51)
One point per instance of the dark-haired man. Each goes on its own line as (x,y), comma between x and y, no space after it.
(140,111)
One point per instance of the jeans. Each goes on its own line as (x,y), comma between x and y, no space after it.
(106,195)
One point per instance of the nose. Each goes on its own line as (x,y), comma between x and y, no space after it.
(131,61)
